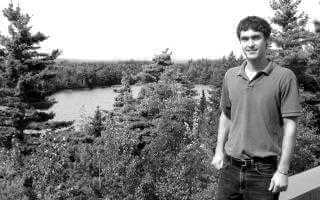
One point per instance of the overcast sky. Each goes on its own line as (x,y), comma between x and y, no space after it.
(139,29)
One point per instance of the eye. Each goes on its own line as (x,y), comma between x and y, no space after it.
(256,37)
(244,38)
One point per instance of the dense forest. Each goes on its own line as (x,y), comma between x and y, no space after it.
(156,146)
(78,74)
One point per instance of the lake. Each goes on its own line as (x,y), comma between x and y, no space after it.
(75,104)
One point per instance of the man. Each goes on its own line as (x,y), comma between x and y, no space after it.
(256,134)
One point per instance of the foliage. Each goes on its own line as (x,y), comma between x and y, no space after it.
(154,150)
(22,79)
(298,49)
(157,146)
(96,123)
(291,38)
(209,72)
(23,63)
(22,75)
(77,75)
(307,147)
(152,72)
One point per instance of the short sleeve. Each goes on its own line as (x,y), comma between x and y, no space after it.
(225,104)
(290,106)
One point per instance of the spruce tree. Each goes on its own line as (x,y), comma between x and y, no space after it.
(23,63)
(124,93)
(96,123)
(203,102)
(291,36)
(152,72)
(22,73)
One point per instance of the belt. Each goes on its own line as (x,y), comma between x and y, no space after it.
(251,161)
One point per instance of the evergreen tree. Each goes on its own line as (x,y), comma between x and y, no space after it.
(23,62)
(164,58)
(201,111)
(23,68)
(152,72)
(213,111)
(174,75)
(291,37)
(124,99)
(232,61)
(203,102)
(96,123)
(218,72)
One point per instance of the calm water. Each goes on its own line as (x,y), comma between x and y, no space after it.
(74,104)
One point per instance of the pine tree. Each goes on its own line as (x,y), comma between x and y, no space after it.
(96,123)
(164,58)
(203,102)
(291,37)
(219,71)
(152,72)
(22,70)
(213,109)
(23,62)
(232,61)
(125,93)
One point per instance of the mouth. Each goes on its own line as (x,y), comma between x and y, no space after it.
(252,51)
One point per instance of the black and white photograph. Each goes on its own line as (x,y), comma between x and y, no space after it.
(159,100)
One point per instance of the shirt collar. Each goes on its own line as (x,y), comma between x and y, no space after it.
(267,70)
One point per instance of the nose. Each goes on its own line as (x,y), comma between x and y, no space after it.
(250,43)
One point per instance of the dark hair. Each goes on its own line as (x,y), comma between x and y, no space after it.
(255,23)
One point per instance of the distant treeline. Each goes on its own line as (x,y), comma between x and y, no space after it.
(77,75)
(205,71)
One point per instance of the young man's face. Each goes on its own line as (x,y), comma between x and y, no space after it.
(253,44)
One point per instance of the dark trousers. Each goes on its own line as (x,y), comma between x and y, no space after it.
(251,182)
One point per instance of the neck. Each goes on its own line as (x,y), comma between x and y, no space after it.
(257,65)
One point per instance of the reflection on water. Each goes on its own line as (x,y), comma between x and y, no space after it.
(74,104)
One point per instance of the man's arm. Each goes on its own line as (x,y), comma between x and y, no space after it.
(279,181)
(223,131)
(288,142)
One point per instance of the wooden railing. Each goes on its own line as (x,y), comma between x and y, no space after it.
(303,186)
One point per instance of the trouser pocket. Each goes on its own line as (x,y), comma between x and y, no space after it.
(265,169)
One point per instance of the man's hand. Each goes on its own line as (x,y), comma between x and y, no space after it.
(218,160)
(279,182)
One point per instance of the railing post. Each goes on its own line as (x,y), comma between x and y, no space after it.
(303,186)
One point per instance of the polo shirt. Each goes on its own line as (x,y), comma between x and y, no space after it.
(256,109)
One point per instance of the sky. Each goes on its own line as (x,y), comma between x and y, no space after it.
(139,29)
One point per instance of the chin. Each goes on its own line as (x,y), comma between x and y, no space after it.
(252,58)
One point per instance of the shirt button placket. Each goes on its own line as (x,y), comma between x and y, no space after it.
(250,85)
